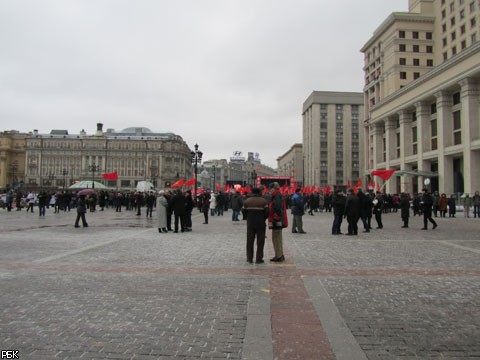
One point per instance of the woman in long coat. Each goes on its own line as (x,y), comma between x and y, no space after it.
(162,205)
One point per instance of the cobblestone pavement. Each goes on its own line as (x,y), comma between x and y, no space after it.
(120,290)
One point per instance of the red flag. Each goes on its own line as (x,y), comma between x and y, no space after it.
(190,182)
(359,183)
(378,187)
(219,188)
(384,174)
(179,183)
(110,176)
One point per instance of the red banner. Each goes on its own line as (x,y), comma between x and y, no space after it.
(384,174)
(178,183)
(110,176)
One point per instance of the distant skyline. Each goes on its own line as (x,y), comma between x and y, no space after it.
(228,75)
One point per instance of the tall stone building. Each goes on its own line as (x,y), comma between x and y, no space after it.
(291,163)
(332,138)
(59,159)
(422,71)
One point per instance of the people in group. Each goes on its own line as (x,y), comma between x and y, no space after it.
(277,219)
(257,211)
(178,206)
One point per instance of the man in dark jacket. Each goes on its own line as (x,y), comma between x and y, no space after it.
(81,210)
(404,209)
(298,210)
(338,204)
(427,204)
(237,202)
(178,206)
(352,212)
(378,206)
(365,210)
(256,208)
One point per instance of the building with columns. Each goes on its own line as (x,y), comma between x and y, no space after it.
(422,72)
(59,159)
(332,138)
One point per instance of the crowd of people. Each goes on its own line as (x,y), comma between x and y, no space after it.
(260,208)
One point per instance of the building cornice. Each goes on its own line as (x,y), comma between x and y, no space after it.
(391,20)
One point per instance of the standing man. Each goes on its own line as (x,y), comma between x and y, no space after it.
(404,209)
(178,206)
(365,210)
(237,202)
(298,210)
(427,203)
(256,208)
(338,204)
(277,219)
(378,206)
(81,211)
(352,212)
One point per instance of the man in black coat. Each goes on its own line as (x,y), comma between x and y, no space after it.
(256,208)
(338,204)
(365,209)
(352,212)
(178,206)
(404,209)
(427,204)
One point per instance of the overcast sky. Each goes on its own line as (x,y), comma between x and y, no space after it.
(226,74)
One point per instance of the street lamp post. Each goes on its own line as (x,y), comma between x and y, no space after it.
(93,168)
(254,177)
(196,159)
(214,179)
(65,173)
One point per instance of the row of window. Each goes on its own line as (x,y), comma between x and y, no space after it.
(452,9)
(415,48)
(339,107)
(415,35)
(416,62)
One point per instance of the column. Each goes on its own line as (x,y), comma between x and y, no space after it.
(405,119)
(423,137)
(470,131)
(390,139)
(445,139)
(377,131)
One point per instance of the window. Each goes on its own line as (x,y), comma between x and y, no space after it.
(472,6)
(416,62)
(401,34)
(464,44)
(403,61)
(433,132)
(323,135)
(444,28)
(339,116)
(416,48)
(403,75)
(444,14)
(428,35)
(429,62)
(323,116)
(339,126)
(456,98)
(415,34)
(462,14)
(416,75)
(452,21)
(453,35)
(462,29)
(339,107)
(429,49)
(323,106)
(339,135)
(402,47)
(444,41)
(445,55)
(457,128)
(323,125)
(473,22)
(339,164)
(323,144)
(452,7)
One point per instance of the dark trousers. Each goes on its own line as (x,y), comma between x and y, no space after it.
(405,221)
(378,219)
(205,215)
(352,224)
(169,220)
(259,232)
(427,216)
(337,223)
(181,218)
(81,215)
(149,210)
(188,220)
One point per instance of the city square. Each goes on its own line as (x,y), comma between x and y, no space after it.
(120,290)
